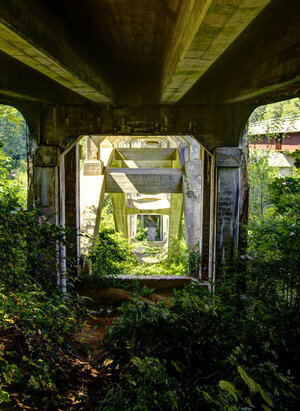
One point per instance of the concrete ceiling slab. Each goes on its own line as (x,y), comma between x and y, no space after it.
(133,53)
(219,23)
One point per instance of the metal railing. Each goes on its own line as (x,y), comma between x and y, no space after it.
(275,125)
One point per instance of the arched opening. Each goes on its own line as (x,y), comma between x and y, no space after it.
(157,191)
(274,149)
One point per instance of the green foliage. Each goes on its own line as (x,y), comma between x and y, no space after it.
(200,352)
(36,320)
(35,348)
(276,110)
(285,194)
(28,245)
(112,254)
(274,243)
(260,176)
(107,220)
(141,231)
(12,186)
(174,261)
(13,135)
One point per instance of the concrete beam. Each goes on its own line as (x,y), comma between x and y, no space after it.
(212,126)
(146,154)
(148,181)
(210,29)
(19,82)
(132,211)
(261,67)
(146,164)
(155,202)
(27,35)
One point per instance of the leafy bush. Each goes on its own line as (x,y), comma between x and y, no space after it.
(285,194)
(28,247)
(111,254)
(176,357)
(35,350)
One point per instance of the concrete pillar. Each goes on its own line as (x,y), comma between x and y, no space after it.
(45,179)
(192,192)
(228,163)
(92,165)
(70,208)
(208,202)
(175,217)
(91,193)
(119,211)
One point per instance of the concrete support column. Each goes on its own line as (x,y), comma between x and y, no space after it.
(208,219)
(70,205)
(45,179)
(192,192)
(228,163)
(175,216)
(91,194)
(119,211)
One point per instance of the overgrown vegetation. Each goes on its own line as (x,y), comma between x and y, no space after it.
(237,349)
(114,254)
(38,352)
(277,110)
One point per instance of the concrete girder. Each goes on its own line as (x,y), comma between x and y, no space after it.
(148,181)
(148,154)
(146,164)
(132,211)
(211,126)
(146,202)
(25,36)
(213,29)
(19,82)
(261,67)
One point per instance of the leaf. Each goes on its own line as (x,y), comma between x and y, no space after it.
(227,386)
(267,398)
(254,387)
(4,396)
(34,383)
(177,368)
(9,320)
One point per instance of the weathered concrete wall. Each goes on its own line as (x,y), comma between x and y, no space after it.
(45,178)
(70,201)
(228,161)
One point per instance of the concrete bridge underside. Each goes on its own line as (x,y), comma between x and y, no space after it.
(154,68)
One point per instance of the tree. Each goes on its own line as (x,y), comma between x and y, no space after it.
(13,135)
(276,110)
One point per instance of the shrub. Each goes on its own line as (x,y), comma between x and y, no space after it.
(35,351)
(175,357)
(111,254)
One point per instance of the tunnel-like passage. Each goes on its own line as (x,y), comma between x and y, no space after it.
(164,177)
